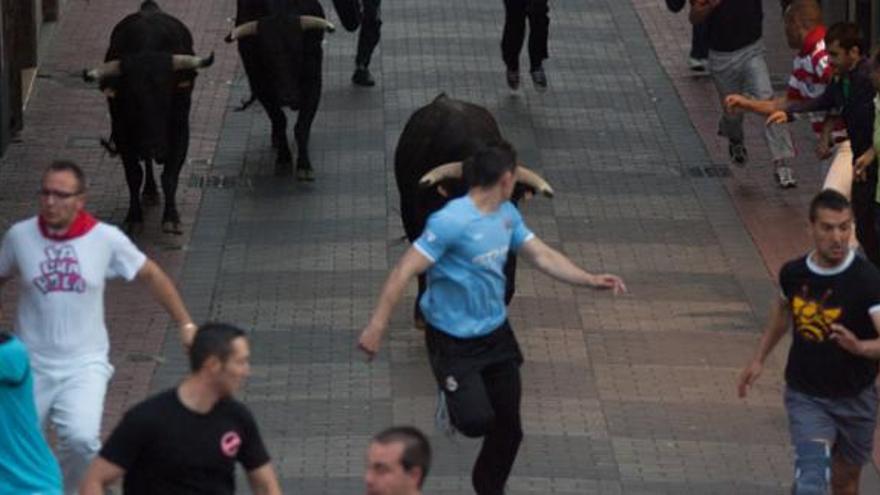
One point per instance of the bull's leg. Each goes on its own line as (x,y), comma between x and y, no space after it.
(311,97)
(178,141)
(134,176)
(418,317)
(151,192)
(510,277)
(283,160)
(170,216)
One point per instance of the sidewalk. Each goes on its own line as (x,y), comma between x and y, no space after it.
(66,118)
(776,219)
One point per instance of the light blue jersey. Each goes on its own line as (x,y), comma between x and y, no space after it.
(27,466)
(468,249)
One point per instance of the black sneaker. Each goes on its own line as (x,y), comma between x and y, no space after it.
(362,77)
(539,78)
(513,79)
(739,155)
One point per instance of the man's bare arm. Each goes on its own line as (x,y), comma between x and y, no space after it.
(700,10)
(776,327)
(866,348)
(558,266)
(101,473)
(164,291)
(263,480)
(410,265)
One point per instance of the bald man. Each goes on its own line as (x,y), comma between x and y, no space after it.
(811,72)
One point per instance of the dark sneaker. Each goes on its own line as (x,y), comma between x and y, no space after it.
(513,79)
(362,77)
(739,155)
(539,78)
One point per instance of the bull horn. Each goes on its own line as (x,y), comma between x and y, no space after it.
(440,173)
(308,22)
(191,62)
(531,179)
(242,31)
(107,69)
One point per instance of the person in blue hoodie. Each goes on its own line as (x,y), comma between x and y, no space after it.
(27,466)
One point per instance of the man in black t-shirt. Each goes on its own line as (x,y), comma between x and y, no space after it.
(186,440)
(831,299)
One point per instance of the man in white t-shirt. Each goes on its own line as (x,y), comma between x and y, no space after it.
(61,259)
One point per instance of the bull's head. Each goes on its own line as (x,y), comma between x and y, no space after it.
(145,87)
(280,42)
(534,183)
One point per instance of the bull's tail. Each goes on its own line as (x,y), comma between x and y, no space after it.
(149,6)
(246,103)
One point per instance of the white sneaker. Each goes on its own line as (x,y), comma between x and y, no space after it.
(697,64)
(785,177)
(442,421)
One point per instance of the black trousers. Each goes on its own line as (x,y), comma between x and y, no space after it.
(515,14)
(864,213)
(700,41)
(370,32)
(481,381)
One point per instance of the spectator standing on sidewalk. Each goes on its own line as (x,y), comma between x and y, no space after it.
(188,438)
(27,466)
(471,347)
(398,461)
(810,74)
(516,12)
(851,93)
(698,58)
(736,61)
(62,258)
(831,299)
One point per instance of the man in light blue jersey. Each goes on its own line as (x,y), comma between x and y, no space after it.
(473,352)
(26,463)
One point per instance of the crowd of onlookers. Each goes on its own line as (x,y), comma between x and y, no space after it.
(830,297)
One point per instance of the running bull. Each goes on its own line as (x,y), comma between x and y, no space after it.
(147,76)
(280,46)
(427,167)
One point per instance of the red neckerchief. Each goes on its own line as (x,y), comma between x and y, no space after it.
(81,225)
(812,38)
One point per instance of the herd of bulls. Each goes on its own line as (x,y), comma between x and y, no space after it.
(148,76)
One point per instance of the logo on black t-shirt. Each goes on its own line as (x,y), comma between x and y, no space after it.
(230,443)
(812,319)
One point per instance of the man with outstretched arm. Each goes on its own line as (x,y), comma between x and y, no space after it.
(62,258)
(831,299)
(473,353)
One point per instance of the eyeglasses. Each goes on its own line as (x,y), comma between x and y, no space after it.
(47,193)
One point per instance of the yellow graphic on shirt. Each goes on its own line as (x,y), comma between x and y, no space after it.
(812,319)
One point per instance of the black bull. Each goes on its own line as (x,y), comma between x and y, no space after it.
(445,131)
(280,46)
(148,76)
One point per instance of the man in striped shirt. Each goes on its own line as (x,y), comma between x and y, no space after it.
(810,75)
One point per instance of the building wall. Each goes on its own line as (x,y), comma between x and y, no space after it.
(21,25)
